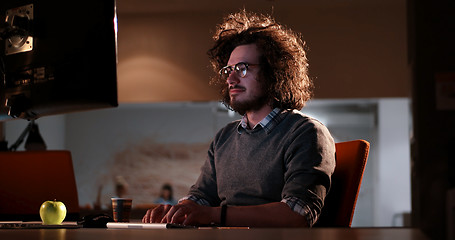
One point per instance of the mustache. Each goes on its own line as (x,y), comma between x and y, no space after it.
(236,87)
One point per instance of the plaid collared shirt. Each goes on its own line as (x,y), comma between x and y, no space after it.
(268,123)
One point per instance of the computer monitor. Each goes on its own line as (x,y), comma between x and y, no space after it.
(57,57)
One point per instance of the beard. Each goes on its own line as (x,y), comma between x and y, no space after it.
(251,104)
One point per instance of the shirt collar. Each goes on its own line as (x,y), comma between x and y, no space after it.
(268,123)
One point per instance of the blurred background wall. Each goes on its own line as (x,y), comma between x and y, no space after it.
(357,49)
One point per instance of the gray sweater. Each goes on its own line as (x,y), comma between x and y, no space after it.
(295,157)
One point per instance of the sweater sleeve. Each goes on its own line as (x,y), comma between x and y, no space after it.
(309,163)
(206,185)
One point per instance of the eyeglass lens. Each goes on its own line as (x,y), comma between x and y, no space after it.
(240,69)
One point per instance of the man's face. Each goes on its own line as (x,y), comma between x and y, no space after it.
(246,93)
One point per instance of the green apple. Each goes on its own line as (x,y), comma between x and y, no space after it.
(52,212)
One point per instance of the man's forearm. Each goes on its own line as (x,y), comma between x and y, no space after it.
(267,215)
(277,214)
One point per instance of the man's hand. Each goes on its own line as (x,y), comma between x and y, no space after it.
(186,212)
(156,214)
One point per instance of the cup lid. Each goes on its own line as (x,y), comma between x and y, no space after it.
(119,198)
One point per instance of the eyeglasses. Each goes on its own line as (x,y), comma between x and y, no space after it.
(240,69)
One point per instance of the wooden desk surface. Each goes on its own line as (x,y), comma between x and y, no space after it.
(219,234)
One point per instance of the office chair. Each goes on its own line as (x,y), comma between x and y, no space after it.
(29,178)
(351,158)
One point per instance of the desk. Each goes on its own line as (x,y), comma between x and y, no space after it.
(219,234)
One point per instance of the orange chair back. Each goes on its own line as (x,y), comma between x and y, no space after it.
(351,158)
(27,179)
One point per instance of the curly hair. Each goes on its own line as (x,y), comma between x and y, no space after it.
(283,61)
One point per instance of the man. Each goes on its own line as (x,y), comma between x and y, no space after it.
(273,167)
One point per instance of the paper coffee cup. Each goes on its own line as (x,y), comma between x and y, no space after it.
(121,209)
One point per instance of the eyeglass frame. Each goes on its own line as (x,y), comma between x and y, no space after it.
(233,69)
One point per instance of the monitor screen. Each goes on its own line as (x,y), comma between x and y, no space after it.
(57,57)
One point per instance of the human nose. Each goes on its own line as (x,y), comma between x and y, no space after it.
(232,79)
